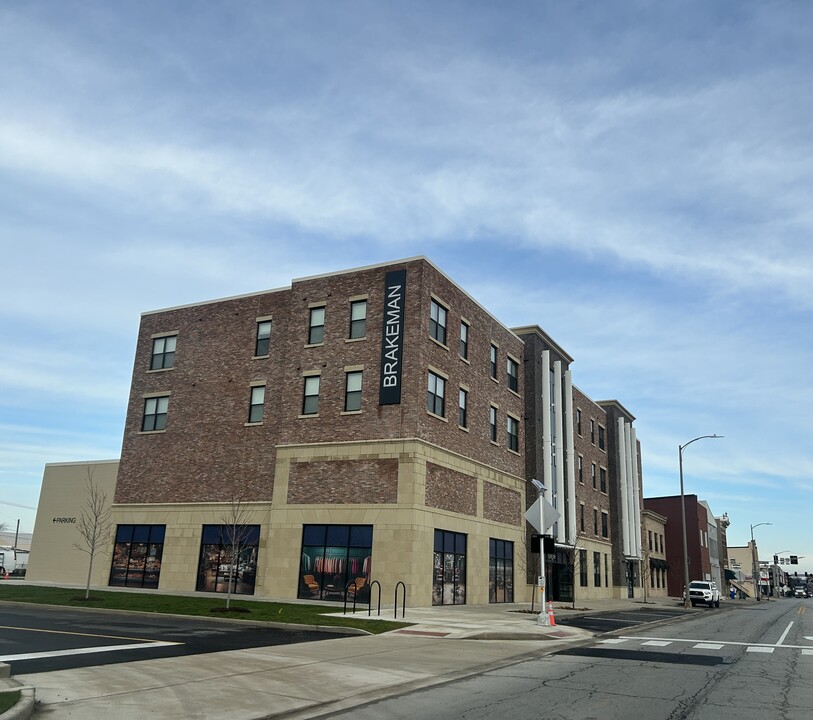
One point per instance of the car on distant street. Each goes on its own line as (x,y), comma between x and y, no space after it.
(799,592)
(704,591)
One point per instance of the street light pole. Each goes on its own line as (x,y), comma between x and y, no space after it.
(755,562)
(686,601)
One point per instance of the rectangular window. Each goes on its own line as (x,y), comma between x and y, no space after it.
(602,480)
(578,422)
(437,322)
(596,569)
(593,474)
(358,319)
(652,574)
(649,536)
(352,391)
(256,403)
(580,469)
(592,432)
(310,395)
(500,571)
(583,568)
(464,341)
(662,550)
(600,438)
(436,395)
(512,429)
(492,422)
(137,556)
(494,361)
(155,414)
(581,517)
(449,568)
(463,404)
(606,571)
(228,556)
(163,353)
(512,371)
(262,344)
(316,328)
(335,562)
(595,522)
(604,525)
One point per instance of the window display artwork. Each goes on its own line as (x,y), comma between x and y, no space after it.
(137,556)
(500,571)
(219,564)
(336,561)
(449,575)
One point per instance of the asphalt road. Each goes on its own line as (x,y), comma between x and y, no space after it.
(751,663)
(605,622)
(37,639)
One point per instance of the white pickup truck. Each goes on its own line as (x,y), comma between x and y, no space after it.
(704,591)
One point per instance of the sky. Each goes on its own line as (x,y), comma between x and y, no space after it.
(634,177)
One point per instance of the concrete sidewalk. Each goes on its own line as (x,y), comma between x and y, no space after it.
(318,678)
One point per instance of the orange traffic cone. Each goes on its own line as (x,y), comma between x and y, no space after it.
(551,619)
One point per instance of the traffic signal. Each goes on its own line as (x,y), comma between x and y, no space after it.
(776,559)
(794,559)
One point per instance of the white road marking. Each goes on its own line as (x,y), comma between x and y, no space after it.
(86,651)
(723,642)
(807,652)
(785,634)
(658,643)
(759,649)
(708,646)
(613,641)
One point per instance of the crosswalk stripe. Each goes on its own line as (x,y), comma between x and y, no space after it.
(757,649)
(657,643)
(708,646)
(613,641)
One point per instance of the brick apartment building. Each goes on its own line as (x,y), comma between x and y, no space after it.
(360,426)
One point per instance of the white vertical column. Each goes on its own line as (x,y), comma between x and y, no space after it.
(547,476)
(630,492)
(636,485)
(570,459)
(621,463)
(560,450)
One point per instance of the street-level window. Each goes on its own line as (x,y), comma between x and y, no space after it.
(310,395)
(583,568)
(352,391)
(596,569)
(358,319)
(256,404)
(163,353)
(137,556)
(500,571)
(262,344)
(155,414)
(316,327)
(463,403)
(437,321)
(449,568)
(228,557)
(335,562)
(436,395)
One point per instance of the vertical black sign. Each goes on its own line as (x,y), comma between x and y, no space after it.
(392,338)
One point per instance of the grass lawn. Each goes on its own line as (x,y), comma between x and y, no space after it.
(208,606)
(8,700)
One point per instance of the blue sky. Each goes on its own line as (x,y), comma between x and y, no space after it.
(635,177)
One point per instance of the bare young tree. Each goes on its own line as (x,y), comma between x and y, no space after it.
(94,523)
(236,535)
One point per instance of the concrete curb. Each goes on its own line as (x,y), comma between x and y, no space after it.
(24,707)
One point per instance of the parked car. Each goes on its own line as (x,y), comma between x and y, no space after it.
(799,592)
(704,591)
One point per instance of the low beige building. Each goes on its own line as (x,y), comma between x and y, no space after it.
(654,566)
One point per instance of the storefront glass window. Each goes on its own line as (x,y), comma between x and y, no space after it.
(219,562)
(335,561)
(449,576)
(500,571)
(137,555)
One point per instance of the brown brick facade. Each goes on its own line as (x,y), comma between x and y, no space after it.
(450,490)
(501,504)
(343,482)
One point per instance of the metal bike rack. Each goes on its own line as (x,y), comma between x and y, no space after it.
(370,598)
(395,602)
